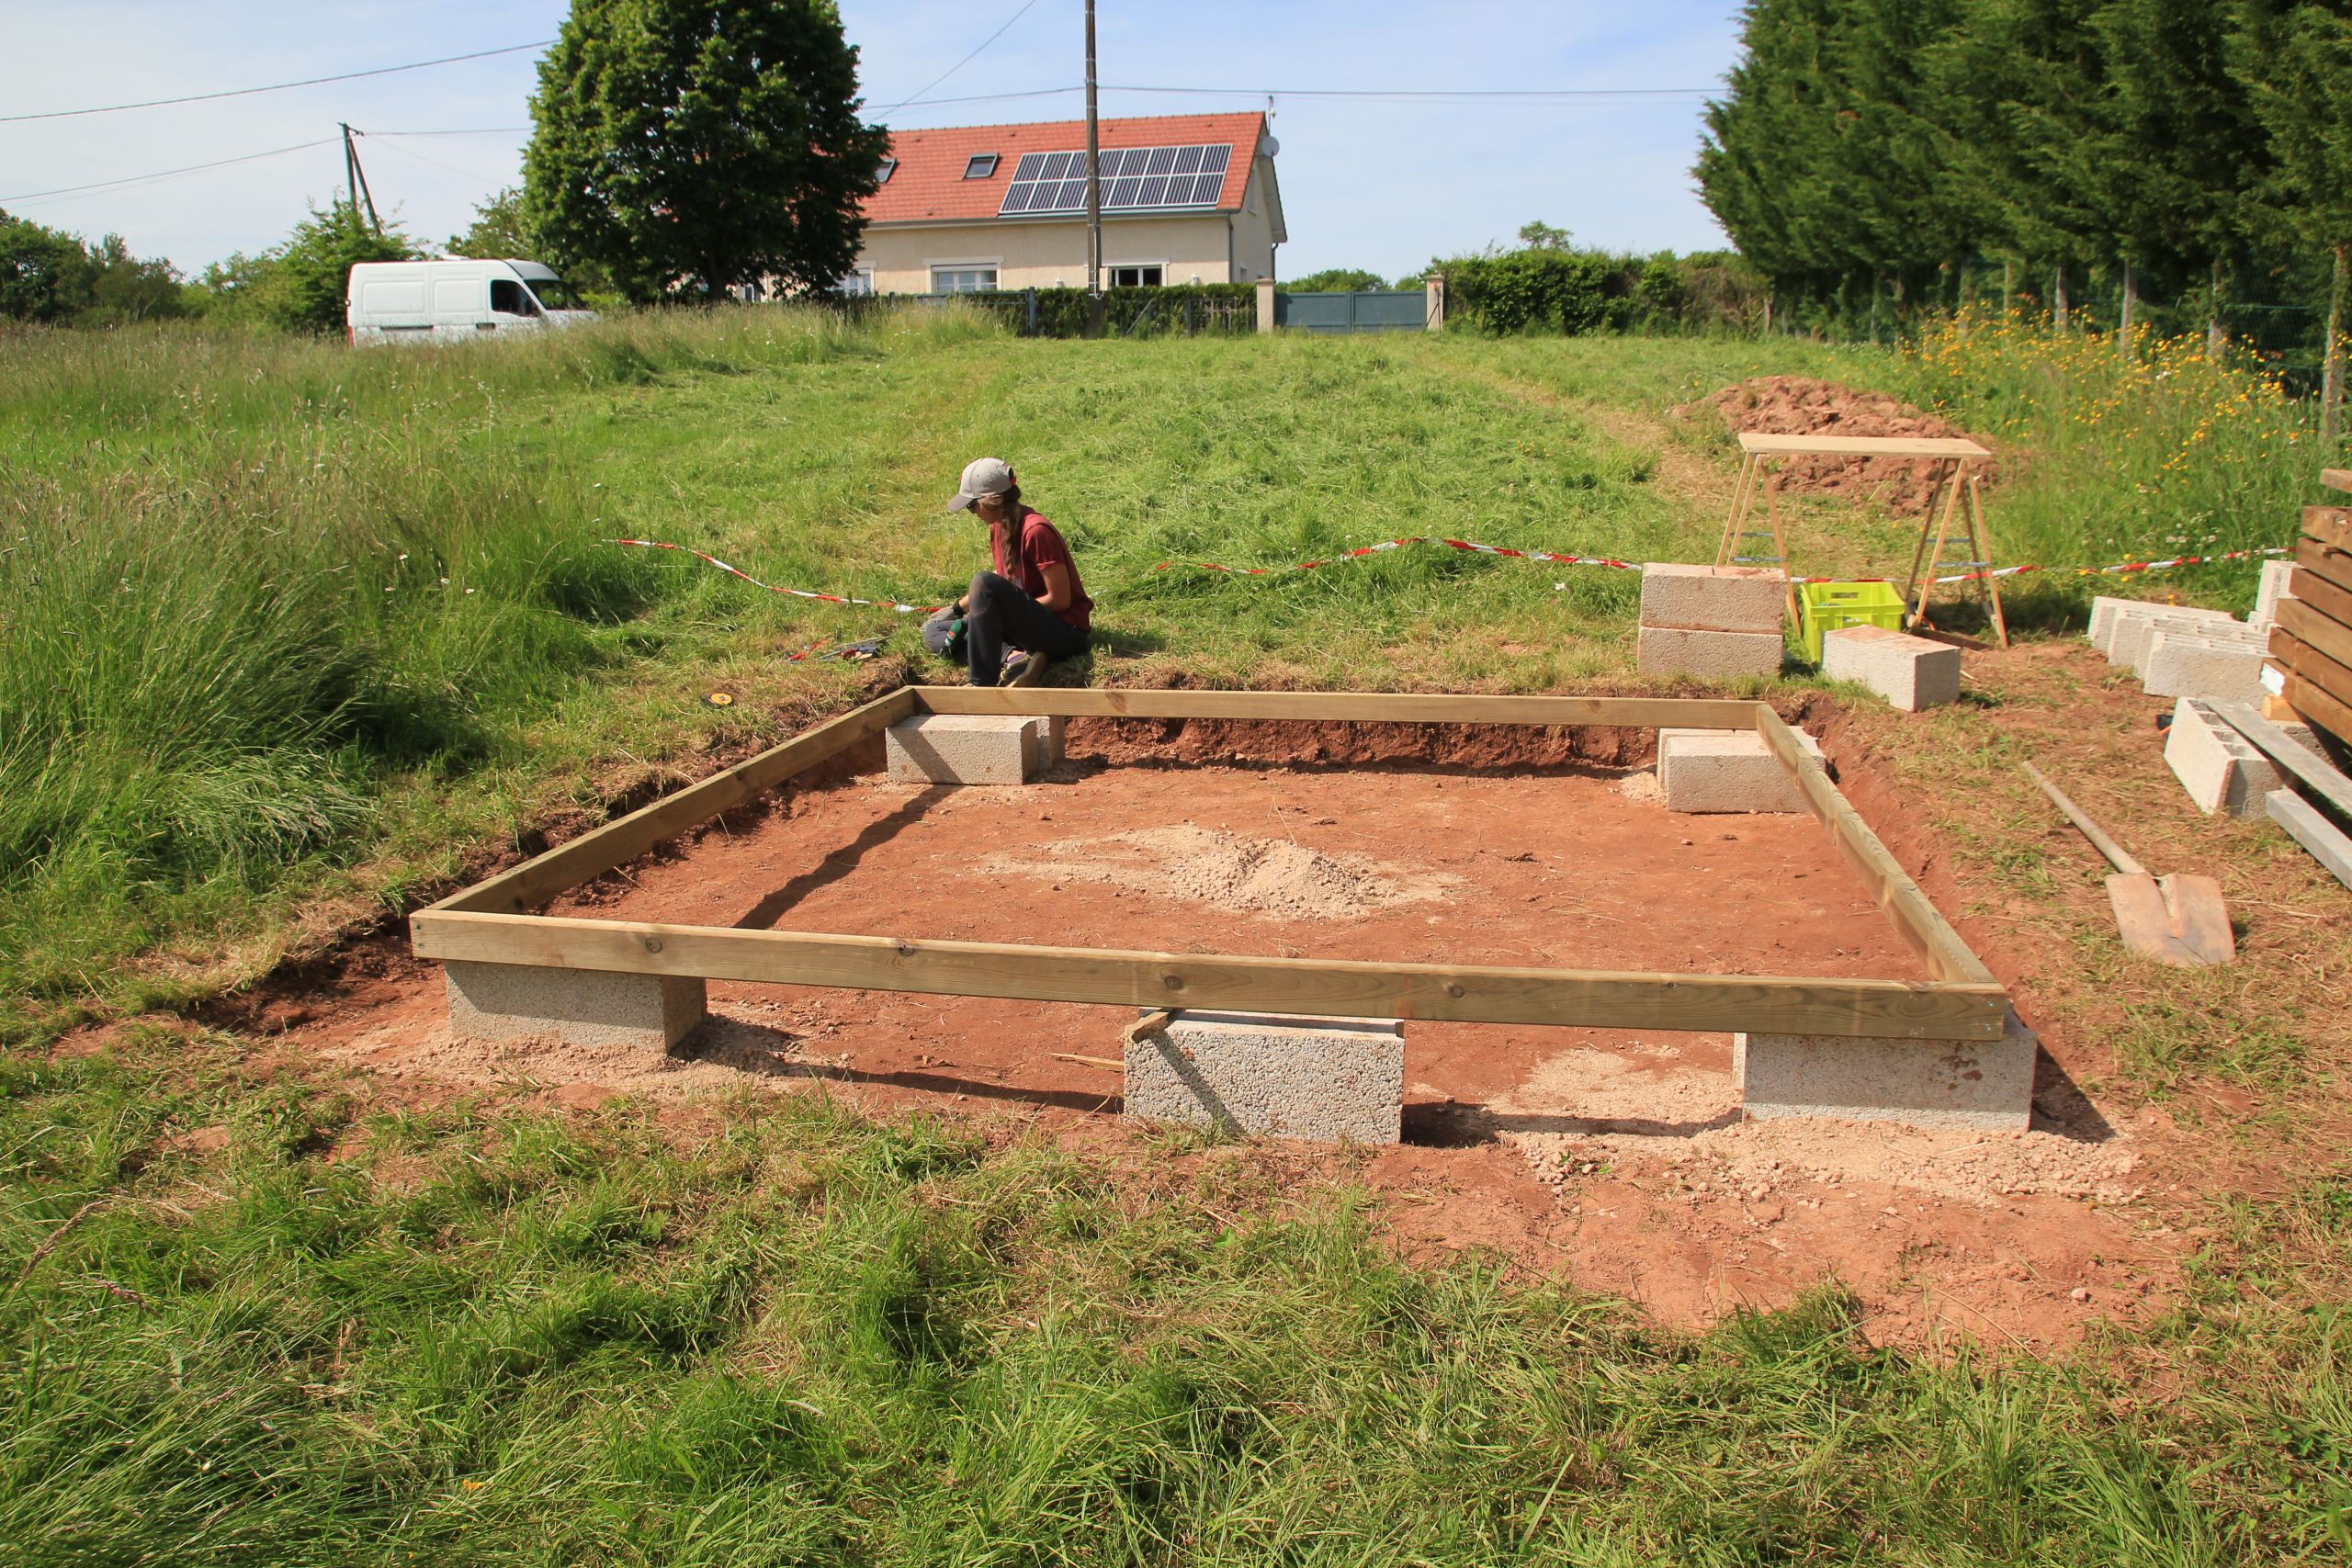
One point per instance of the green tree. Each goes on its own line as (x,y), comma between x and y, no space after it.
(499,231)
(300,284)
(45,274)
(1335,281)
(703,142)
(1539,235)
(2295,61)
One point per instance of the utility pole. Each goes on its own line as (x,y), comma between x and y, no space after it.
(358,178)
(1093,172)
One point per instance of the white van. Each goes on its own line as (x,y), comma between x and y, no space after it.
(444,301)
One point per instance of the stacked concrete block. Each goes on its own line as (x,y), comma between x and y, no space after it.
(2179,664)
(2277,576)
(972,748)
(2110,618)
(1726,770)
(1329,1078)
(1714,621)
(1909,672)
(2220,769)
(577,1007)
(1936,1084)
(2135,639)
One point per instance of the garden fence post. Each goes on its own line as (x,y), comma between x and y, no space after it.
(1265,304)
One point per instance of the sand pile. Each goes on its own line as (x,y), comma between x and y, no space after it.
(1228,872)
(1799,405)
(1633,1110)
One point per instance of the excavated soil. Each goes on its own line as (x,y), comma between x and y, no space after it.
(1616,1157)
(1800,405)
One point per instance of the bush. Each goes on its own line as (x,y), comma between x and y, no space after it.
(50,275)
(298,285)
(1339,280)
(1567,292)
(1126,313)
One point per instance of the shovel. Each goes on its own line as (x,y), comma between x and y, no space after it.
(2179,919)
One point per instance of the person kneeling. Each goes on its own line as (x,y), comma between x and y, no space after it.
(1033,601)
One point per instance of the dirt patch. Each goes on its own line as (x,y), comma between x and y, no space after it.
(1800,405)
(1466,748)
(1229,871)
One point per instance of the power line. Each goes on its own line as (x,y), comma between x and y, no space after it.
(951,71)
(170,174)
(1372,94)
(278,86)
(477,130)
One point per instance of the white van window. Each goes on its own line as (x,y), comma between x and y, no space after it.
(558,295)
(510,298)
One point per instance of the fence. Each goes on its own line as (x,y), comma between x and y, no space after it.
(1355,311)
(1181,311)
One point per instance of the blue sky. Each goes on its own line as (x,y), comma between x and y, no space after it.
(1383,185)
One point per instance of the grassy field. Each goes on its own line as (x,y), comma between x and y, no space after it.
(288,635)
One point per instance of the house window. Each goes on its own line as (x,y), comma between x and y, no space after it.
(962,279)
(1138,276)
(859,280)
(979,166)
(882,174)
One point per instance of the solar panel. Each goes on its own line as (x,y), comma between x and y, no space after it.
(1134,178)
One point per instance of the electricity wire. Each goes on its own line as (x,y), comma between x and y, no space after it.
(951,71)
(276,87)
(169,174)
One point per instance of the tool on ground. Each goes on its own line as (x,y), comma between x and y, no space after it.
(2178,919)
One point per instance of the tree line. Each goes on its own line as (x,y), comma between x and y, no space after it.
(1876,154)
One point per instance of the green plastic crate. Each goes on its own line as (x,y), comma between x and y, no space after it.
(1826,607)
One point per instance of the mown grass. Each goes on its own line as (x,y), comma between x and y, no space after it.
(351,1334)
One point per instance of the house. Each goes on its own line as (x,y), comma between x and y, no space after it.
(1186,199)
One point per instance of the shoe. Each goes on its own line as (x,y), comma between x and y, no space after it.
(1024,670)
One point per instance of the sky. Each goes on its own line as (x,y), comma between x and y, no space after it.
(1383,184)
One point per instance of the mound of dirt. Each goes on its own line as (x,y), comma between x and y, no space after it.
(1228,872)
(1799,405)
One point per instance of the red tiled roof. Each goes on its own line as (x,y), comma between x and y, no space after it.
(929,186)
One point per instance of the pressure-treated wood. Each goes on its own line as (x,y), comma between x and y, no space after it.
(2315,772)
(2321,595)
(1762,444)
(598,850)
(2329,525)
(1311,988)
(2337,478)
(2322,708)
(2323,560)
(1948,958)
(1375,707)
(2330,675)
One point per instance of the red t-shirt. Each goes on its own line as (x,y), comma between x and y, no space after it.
(1037,546)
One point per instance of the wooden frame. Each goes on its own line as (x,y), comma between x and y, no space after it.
(487,923)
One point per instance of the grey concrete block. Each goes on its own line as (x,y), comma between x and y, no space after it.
(2136,636)
(1329,1078)
(1986,1087)
(2276,577)
(971,748)
(1909,672)
(1676,650)
(2222,770)
(1714,598)
(2183,665)
(1725,770)
(579,1007)
(2110,615)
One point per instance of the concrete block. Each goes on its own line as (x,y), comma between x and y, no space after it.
(2179,665)
(1725,770)
(2134,633)
(1676,650)
(1981,1085)
(579,1007)
(2109,614)
(2220,769)
(971,748)
(2276,576)
(1714,598)
(1909,672)
(1329,1078)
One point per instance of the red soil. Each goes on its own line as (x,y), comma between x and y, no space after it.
(1799,405)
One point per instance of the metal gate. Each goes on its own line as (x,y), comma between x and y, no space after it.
(1366,310)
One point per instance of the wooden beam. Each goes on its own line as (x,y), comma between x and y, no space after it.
(2321,595)
(2337,478)
(1365,707)
(2331,673)
(2324,561)
(2325,841)
(2316,773)
(1891,1009)
(625,838)
(1939,947)
(2329,525)
(1756,441)
(2322,708)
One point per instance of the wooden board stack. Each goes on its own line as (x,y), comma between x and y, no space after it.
(2311,641)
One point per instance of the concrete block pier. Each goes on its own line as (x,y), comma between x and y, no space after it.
(1327,1078)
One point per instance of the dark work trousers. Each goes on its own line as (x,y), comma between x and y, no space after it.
(998,614)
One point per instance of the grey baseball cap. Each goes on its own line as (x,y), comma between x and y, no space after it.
(982,476)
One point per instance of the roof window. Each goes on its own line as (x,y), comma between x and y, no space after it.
(882,175)
(979,166)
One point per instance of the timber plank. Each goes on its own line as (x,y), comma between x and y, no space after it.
(2322,708)
(1374,707)
(2321,595)
(2316,773)
(1895,1009)
(2337,478)
(2329,525)
(1763,445)
(1939,947)
(2323,561)
(2325,841)
(2316,649)
(601,849)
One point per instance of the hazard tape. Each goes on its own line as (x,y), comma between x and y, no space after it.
(794,592)
(1553,556)
(2129,566)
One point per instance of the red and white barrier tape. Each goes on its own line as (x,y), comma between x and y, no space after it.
(1555,558)
(794,592)
(2129,566)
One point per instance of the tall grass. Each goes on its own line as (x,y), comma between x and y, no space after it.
(814,1338)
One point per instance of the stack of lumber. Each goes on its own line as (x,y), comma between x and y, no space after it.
(2311,641)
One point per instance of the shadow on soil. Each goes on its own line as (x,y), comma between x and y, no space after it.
(759,1050)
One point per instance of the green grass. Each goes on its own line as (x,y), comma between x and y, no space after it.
(486,1336)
